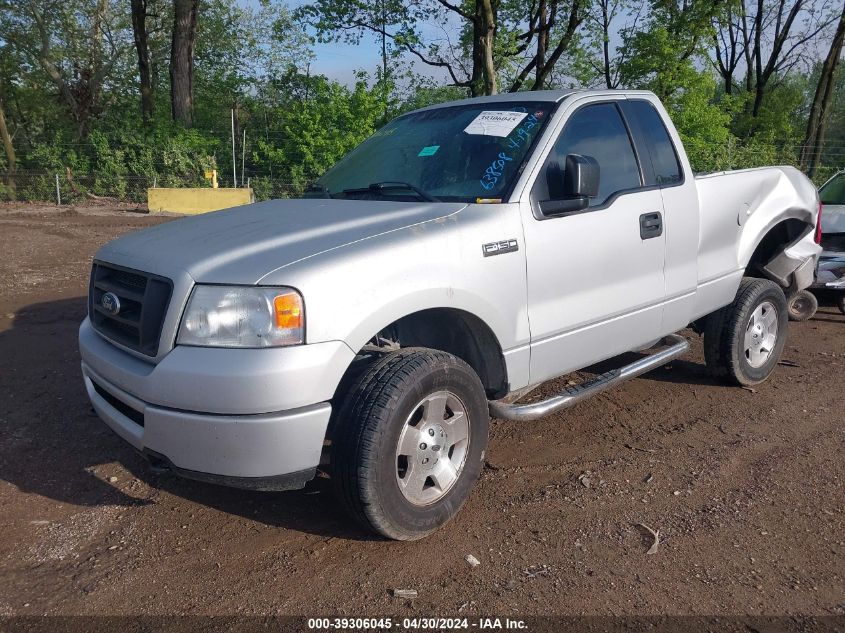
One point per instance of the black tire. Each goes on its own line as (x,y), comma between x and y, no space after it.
(367,432)
(802,305)
(724,333)
(841,303)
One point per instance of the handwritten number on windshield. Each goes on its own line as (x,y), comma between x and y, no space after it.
(496,169)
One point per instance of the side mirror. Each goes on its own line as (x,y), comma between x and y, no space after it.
(581,176)
(572,189)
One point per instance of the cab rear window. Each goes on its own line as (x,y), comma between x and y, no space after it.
(666,168)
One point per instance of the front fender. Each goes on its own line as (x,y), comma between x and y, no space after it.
(354,292)
(407,304)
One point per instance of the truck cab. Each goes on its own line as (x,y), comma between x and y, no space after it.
(621,271)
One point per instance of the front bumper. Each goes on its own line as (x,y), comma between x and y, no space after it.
(236,417)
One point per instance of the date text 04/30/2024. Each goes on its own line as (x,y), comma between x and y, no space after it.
(424,624)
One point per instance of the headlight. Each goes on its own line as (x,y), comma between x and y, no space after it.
(242,316)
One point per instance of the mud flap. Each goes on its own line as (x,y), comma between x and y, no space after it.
(795,273)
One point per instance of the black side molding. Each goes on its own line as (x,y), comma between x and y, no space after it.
(271,483)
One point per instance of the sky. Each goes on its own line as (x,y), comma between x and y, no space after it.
(339,61)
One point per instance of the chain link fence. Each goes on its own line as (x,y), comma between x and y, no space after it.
(63,188)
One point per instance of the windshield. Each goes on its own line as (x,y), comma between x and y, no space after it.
(463,153)
(833,191)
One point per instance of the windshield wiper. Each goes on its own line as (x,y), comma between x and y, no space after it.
(380,187)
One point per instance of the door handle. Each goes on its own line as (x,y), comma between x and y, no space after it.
(651,225)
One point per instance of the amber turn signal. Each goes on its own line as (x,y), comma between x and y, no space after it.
(288,310)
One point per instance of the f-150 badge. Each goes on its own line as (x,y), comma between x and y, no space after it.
(500,248)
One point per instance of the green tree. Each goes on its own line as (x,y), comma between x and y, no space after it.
(77,46)
(320,123)
(814,137)
(241,51)
(663,51)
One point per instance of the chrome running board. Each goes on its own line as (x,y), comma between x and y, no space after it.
(677,345)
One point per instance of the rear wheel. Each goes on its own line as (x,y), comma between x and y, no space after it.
(744,340)
(410,442)
(802,305)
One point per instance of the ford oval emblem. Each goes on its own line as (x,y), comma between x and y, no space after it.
(110,303)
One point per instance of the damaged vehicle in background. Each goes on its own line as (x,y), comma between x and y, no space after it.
(830,276)
(831,272)
(460,257)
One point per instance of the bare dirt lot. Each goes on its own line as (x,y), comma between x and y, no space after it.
(747,489)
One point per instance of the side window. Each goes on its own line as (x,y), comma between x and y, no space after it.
(598,131)
(664,160)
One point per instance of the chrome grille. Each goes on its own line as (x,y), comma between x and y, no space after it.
(143,301)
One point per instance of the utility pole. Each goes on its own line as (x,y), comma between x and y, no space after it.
(234,160)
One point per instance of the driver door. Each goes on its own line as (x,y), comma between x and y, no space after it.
(595,276)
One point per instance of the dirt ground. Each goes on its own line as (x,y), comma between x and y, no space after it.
(746,488)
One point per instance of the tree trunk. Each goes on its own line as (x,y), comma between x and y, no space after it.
(96,51)
(476,89)
(811,149)
(757,56)
(10,150)
(487,35)
(605,47)
(727,65)
(783,26)
(543,61)
(747,49)
(139,29)
(542,43)
(549,64)
(182,61)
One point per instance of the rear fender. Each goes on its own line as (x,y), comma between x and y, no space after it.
(776,239)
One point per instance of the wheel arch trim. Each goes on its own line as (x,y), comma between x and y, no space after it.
(454,330)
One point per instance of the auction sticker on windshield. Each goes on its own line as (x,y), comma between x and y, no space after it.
(429,150)
(495,123)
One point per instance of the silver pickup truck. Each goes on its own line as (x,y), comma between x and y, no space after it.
(458,258)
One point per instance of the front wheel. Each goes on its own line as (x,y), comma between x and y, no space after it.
(841,303)
(410,442)
(744,340)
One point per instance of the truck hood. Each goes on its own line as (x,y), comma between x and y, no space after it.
(244,244)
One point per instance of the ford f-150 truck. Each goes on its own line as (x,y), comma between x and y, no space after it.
(459,257)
